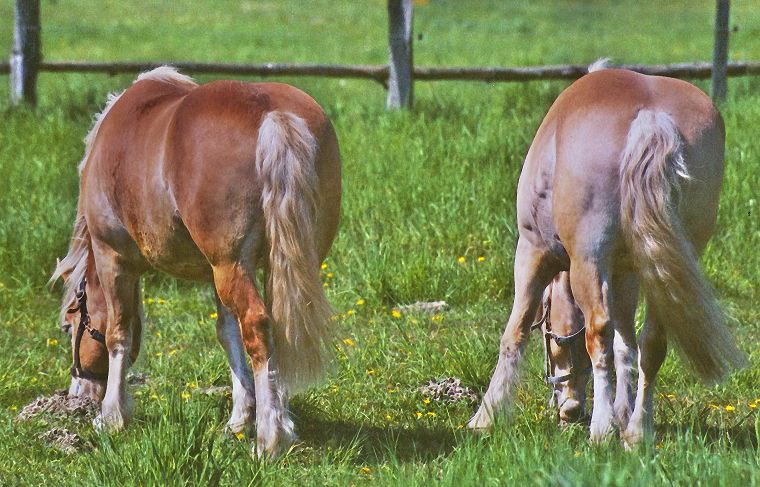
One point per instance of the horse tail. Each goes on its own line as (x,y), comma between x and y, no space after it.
(285,160)
(678,294)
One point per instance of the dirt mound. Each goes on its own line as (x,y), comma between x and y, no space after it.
(63,440)
(449,389)
(59,405)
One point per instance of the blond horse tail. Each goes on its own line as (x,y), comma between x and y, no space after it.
(285,160)
(678,294)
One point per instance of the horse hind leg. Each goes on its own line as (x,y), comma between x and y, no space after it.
(243,397)
(532,274)
(235,285)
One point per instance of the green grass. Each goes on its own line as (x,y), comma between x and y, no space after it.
(421,189)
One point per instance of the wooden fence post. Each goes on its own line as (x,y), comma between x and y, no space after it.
(720,50)
(26,54)
(400,74)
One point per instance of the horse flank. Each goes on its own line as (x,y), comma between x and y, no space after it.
(285,159)
(680,296)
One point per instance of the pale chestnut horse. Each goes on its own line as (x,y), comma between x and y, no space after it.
(620,187)
(207,183)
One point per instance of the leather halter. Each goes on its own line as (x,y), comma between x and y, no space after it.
(561,341)
(84,325)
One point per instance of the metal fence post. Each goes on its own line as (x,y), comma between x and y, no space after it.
(720,51)
(26,54)
(400,75)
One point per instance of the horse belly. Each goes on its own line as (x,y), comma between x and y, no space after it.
(175,253)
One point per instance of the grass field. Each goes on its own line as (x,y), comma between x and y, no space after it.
(426,195)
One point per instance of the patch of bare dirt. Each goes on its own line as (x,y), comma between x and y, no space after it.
(449,389)
(63,440)
(59,405)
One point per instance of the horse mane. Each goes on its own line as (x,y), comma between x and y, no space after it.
(73,267)
(599,64)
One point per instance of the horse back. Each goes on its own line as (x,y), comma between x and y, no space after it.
(570,186)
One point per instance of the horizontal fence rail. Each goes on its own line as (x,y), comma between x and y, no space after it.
(379,73)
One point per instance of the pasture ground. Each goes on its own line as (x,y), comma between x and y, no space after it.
(427,195)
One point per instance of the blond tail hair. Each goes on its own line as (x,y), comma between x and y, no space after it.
(678,294)
(285,160)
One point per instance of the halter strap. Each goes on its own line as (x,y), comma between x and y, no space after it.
(561,341)
(84,325)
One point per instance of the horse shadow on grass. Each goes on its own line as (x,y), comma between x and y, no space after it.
(375,444)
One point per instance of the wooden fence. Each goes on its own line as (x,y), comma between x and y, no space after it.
(398,76)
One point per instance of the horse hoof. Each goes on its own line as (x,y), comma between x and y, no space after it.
(111,423)
(276,447)
(480,423)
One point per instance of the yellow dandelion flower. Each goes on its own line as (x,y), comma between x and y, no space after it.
(395,313)
(330,275)
(14,408)
(324,284)
(192,385)
(461,259)
(34,379)
(370,372)
(426,401)
(150,301)
(670,396)
(418,414)
(365,470)
(240,435)
(214,315)
(349,312)
(324,265)
(753,405)
(729,408)
(388,417)
(437,318)
(431,414)
(481,259)
(185,395)
(173,352)
(349,342)
(52,342)
(360,302)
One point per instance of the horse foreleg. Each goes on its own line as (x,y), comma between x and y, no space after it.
(652,350)
(591,289)
(120,291)
(626,292)
(243,398)
(531,277)
(237,291)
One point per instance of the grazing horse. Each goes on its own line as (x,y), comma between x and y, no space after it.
(206,183)
(620,187)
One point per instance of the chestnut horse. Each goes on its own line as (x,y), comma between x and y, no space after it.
(620,187)
(207,183)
